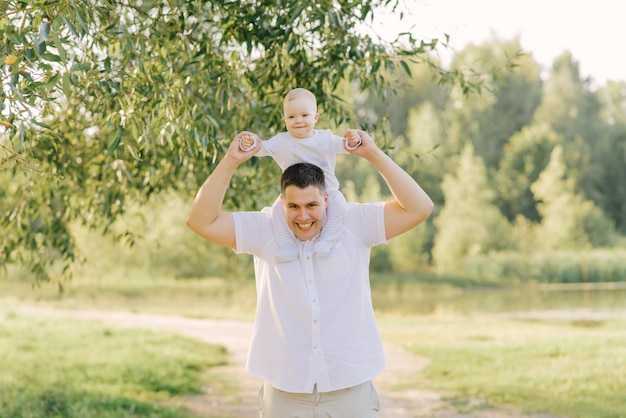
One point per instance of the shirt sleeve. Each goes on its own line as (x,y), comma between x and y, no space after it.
(338,143)
(271,147)
(251,231)
(265,150)
(367,221)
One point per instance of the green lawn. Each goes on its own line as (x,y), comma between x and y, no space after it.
(73,368)
(566,368)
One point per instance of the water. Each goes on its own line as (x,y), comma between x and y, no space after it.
(414,298)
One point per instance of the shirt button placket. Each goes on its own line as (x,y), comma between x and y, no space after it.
(314,304)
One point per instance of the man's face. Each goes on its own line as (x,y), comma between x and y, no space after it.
(305,210)
(300,116)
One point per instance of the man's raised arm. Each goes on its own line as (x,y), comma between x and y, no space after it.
(411,205)
(205,217)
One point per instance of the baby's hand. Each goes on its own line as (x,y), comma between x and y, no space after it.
(247,142)
(352,138)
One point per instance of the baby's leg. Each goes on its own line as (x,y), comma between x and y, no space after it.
(334,223)
(287,248)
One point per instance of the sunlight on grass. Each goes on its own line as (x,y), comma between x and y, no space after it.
(478,356)
(68,368)
(557,367)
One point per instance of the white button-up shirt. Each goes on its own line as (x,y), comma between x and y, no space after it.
(314,320)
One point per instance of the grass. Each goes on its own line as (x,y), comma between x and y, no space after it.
(566,368)
(71,368)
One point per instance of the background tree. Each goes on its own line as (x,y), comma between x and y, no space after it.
(107,107)
(469,224)
(410,252)
(525,157)
(572,110)
(568,221)
(163,247)
(419,152)
(404,92)
(605,180)
(105,102)
(505,104)
(567,103)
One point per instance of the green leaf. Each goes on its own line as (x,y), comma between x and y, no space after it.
(43,125)
(51,57)
(71,27)
(133,153)
(52,81)
(26,76)
(296,14)
(16,91)
(59,46)
(40,46)
(406,68)
(44,30)
(81,66)
(66,85)
(116,139)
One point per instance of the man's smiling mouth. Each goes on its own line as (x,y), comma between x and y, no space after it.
(305,227)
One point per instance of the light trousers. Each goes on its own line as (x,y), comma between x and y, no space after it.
(360,401)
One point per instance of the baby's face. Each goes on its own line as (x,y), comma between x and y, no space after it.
(300,117)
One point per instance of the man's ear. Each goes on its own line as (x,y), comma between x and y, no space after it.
(317,116)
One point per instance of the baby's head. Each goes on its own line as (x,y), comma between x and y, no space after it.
(300,113)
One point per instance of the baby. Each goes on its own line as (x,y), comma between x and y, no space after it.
(303,143)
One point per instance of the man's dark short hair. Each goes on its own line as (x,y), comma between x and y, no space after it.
(303,175)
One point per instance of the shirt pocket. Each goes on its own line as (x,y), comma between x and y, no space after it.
(335,265)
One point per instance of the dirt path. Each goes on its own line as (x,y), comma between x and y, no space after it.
(235,335)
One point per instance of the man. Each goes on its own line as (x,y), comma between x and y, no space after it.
(315,340)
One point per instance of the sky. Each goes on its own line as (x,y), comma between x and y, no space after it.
(593,31)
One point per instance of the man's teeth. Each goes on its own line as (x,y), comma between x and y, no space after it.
(305,226)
